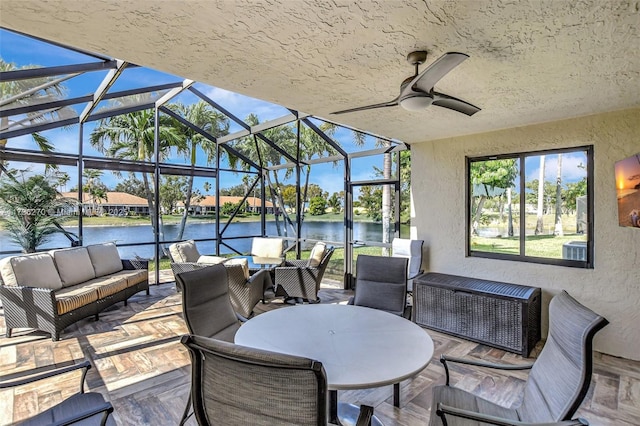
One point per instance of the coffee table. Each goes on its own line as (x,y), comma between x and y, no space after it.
(359,347)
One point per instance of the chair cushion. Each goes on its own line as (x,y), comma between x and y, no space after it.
(74,297)
(31,270)
(267,247)
(316,255)
(74,265)
(458,398)
(244,264)
(185,251)
(104,258)
(211,260)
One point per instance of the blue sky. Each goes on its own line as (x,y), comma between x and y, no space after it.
(23,51)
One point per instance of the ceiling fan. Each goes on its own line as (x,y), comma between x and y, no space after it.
(416,92)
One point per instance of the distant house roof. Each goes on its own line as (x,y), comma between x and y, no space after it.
(210,201)
(113,198)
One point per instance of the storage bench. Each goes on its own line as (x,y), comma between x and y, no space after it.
(502,315)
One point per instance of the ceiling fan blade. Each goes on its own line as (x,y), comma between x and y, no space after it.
(434,72)
(446,101)
(363,108)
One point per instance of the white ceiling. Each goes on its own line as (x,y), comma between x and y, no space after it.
(530,61)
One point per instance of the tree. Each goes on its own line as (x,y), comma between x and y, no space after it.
(30,209)
(558,228)
(131,136)
(335,201)
(131,185)
(206,187)
(62,179)
(28,92)
(96,190)
(371,199)
(486,176)
(317,206)
(171,191)
(211,121)
(540,210)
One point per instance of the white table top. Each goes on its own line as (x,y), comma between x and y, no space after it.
(359,347)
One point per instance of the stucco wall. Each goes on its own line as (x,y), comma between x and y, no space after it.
(612,288)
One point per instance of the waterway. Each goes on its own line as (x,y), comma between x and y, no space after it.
(121,235)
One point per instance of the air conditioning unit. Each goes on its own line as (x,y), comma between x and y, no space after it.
(575,250)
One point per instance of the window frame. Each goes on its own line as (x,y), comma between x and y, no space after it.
(522,257)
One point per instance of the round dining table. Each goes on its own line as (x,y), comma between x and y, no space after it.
(359,347)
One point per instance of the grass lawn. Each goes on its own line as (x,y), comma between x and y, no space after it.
(549,246)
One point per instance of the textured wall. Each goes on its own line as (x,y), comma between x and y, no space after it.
(612,288)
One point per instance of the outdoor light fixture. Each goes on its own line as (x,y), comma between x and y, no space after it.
(416,102)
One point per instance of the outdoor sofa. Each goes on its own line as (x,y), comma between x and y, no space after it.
(51,290)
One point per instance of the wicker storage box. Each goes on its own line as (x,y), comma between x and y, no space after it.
(502,315)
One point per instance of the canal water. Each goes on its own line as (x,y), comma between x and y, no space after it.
(326,231)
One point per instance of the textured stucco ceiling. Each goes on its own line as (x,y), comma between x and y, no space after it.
(530,62)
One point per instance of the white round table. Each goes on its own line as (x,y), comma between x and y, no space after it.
(358,347)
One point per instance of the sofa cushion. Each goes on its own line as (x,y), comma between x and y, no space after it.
(30,270)
(316,255)
(74,297)
(107,286)
(211,260)
(185,251)
(104,258)
(132,277)
(74,265)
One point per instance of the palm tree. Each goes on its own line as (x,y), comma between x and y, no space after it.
(131,136)
(540,212)
(28,92)
(95,188)
(31,208)
(558,229)
(211,121)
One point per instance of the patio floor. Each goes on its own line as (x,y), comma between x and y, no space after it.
(141,367)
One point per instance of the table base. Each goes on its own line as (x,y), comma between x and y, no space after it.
(348,414)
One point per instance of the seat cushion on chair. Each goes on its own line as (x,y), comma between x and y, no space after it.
(316,255)
(243,263)
(267,247)
(458,398)
(70,407)
(211,260)
(185,251)
(31,270)
(105,259)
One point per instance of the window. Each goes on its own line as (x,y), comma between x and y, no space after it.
(532,207)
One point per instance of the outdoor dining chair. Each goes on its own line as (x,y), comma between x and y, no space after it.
(557,384)
(85,408)
(411,250)
(237,385)
(186,257)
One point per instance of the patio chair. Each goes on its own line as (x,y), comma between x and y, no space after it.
(267,247)
(86,408)
(185,255)
(381,283)
(238,385)
(557,384)
(206,304)
(300,279)
(411,250)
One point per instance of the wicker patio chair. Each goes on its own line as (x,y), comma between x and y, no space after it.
(186,257)
(83,408)
(557,384)
(237,386)
(301,278)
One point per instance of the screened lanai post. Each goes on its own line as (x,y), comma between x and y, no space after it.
(299,201)
(156,185)
(348,226)
(80,166)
